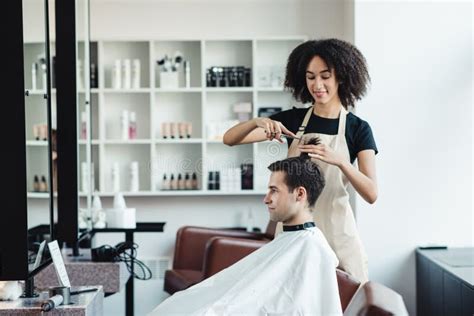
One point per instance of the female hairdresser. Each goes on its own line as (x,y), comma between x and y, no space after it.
(331,75)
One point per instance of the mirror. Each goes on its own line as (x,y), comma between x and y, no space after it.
(40,128)
(87,103)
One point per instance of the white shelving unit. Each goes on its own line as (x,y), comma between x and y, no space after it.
(154,105)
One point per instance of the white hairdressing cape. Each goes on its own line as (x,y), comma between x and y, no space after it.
(295,274)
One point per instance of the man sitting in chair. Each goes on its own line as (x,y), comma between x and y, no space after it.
(295,274)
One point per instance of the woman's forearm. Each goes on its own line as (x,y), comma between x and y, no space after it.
(365,186)
(236,134)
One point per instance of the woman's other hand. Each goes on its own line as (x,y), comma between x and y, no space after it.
(323,153)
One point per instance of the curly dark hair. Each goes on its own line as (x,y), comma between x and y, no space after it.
(301,172)
(347,61)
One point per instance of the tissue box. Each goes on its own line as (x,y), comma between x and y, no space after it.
(169,79)
(121,218)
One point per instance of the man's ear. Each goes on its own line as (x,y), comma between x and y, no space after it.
(300,194)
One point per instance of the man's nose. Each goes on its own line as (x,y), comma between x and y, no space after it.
(266,199)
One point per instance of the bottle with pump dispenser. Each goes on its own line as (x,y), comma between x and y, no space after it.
(120,216)
(132,128)
(124,124)
(98,213)
(134,181)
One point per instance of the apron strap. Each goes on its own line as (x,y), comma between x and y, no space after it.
(302,128)
(341,129)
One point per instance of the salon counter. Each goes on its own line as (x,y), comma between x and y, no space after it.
(84,304)
(83,272)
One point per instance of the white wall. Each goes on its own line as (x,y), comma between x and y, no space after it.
(420,108)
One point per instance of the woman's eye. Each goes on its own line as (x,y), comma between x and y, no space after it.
(310,78)
(326,77)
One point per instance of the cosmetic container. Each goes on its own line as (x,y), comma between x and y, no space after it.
(127,74)
(132,128)
(43,186)
(182,129)
(173,128)
(84,125)
(44,74)
(134,182)
(93,76)
(181,183)
(34,69)
(36,132)
(217,179)
(43,131)
(117,74)
(173,183)
(194,182)
(188,184)
(189,129)
(187,74)
(120,216)
(115,177)
(165,183)
(136,74)
(124,122)
(165,130)
(98,213)
(85,177)
(247,176)
(210,181)
(79,75)
(36,184)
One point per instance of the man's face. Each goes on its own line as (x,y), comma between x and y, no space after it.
(281,203)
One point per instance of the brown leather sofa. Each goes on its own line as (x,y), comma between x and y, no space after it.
(202,252)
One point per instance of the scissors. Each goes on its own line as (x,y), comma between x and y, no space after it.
(289,136)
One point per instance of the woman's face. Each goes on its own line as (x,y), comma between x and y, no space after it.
(321,82)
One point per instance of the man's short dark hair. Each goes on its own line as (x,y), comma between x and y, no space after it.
(301,172)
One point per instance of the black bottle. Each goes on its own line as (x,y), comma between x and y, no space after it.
(210,181)
(217,184)
(194,181)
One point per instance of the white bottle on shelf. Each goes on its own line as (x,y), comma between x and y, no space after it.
(187,74)
(79,75)
(34,69)
(85,177)
(84,125)
(127,74)
(132,128)
(115,177)
(136,70)
(124,125)
(117,75)
(134,179)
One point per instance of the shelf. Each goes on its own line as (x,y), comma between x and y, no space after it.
(206,108)
(164,90)
(37,143)
(271,89)
(40,195)
(112,90)
(229,89)
(84,142)
(127,142)
(215,141)
(179,141)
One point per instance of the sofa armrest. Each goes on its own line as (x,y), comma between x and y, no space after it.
(375,299)
(191,244)
(222,252)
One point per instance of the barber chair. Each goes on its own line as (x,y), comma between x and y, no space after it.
(202,252)
(195,254)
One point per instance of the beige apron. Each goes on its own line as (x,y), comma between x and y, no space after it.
(332,212)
